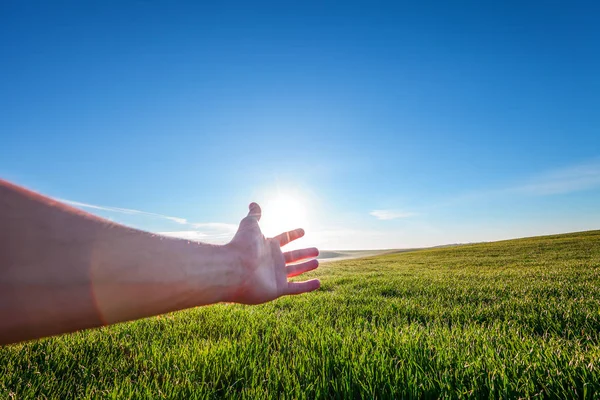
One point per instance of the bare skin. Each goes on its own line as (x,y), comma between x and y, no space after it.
(63,270)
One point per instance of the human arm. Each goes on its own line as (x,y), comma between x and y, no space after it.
(63,270)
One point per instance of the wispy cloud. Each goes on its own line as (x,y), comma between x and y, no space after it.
(209,232)
(216,226)
(391,214)
(571,179)
(130,211)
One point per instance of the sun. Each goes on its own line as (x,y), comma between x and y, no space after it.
(282,213)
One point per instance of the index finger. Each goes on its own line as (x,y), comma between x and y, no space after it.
(286,237)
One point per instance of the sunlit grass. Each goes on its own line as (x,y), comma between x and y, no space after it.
(507,319)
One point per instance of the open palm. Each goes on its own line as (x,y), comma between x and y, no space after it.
(265,267)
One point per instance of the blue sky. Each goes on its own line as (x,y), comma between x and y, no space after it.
(393,125)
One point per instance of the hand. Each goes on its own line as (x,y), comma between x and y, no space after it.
(265,268)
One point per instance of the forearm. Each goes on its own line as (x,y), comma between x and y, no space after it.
(63,270)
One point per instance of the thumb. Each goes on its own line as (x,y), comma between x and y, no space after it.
(254,211)
(250,221)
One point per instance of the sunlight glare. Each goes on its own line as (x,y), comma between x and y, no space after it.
(283,213)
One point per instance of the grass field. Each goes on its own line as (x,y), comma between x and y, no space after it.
(509,319)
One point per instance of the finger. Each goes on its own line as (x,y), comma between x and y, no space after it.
(302,287)
(302,254)
(254,211)
(297,269)
(286,237)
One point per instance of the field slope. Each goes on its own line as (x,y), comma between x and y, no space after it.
(510,319)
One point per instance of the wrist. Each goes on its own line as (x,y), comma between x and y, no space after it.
(216,274)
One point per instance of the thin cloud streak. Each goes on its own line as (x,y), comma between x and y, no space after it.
(571,179)
(209,232)
(216,225)
(386,215)
(130,211)
(575,178)
(216,233)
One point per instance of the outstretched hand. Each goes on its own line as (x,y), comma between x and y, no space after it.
(265,267)
(87,272)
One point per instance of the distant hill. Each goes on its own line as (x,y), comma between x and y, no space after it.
(330,255)
(336,255)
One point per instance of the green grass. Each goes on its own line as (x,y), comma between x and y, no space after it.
(508,319)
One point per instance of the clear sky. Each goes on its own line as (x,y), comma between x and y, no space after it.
(385,125)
